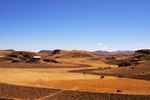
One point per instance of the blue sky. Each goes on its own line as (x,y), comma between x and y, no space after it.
(75,24)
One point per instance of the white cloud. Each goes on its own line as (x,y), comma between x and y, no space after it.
(102,46)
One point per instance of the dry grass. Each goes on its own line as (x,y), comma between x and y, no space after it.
(47,75)
(128,86)
(17,76)
(60,78)
(4,53)
(85,61)
(74,54)
(81,57)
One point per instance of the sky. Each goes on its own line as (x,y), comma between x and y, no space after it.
(33,25)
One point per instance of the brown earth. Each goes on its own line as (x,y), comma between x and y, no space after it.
(72,78)
(21,92)
(41,65)
(47,75)
(60,78)
(14,92)
(106,85)
(141,71)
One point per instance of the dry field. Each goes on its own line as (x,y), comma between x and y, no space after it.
(141,71)
(16,75)
(108,85)
(61,78)
(75,78)
(15,92)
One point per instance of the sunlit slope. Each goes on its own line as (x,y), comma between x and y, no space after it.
(80,57)
(74,54)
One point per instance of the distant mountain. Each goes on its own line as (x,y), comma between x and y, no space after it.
(47,52)
(126,52)
(9,50)
(101,53)
(106,53)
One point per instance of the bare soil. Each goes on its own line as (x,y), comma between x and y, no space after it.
(42,65)
(73,81)
(106,85)
(14,92)
(141,71)
(21,92)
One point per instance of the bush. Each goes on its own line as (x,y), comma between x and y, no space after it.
(124,64)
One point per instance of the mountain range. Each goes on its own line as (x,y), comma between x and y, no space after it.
(99,52)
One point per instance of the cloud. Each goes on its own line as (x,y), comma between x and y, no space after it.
(102,46)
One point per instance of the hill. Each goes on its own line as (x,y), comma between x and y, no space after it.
(4,53)
(9,50)
(135,66)
(20,56)
(106,53)
(140,56)
(74,54)
(47,52)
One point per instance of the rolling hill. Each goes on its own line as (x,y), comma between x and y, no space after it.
(74,54)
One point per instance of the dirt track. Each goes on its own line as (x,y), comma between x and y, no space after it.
(14,92)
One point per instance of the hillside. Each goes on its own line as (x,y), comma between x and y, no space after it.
(20,56)
(140,56)
(4,53)
(47,52)
(74,54)
(135,66)
(9,50)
